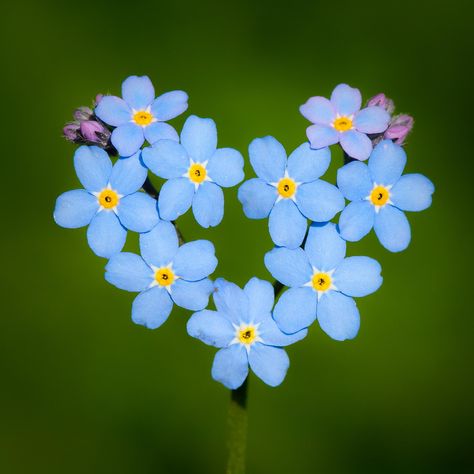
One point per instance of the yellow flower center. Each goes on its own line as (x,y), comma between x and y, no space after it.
(247,335)
(342,124)
(142,117)
(286,187)
(321,281)
(108,198)
(164,276)
(197,173)
(379,196)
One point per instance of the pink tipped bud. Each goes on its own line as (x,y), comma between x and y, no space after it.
(98,98)
(82,113)
(71,131)
(381,100)
(94,132)
(400,126)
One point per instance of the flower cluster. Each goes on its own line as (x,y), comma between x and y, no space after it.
(250,326)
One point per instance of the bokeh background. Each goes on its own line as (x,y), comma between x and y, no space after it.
(83,390)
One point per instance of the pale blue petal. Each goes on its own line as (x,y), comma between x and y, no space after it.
(128,174)
(338,316)
(113,110)
(354,181)
(387,162)
(372,119)
(306,164)
(356,144)
(208,205)
(319,200)
(269,363)
(231,301)
(105,234)
(356,220)
(129,272)
(358,276)
(321,136)
(289,266)
(296,309)
(195,260)
(175,199)
(324,246)
(392,228)
(257,198)
(346,100)
(192,295)
(287,225)
(159,246)
(138,212)
(167,159)
(230,366)
(272,335)
(412,192)
(127,139)
(138,92)
(75,209)
(199,137)
(160,131)
(318,110)
(225,167)
(268,158)
(152,307)
(261,297)
(211,328)
(169,105)
(93,167)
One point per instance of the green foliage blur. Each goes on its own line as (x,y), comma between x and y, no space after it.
(84,390)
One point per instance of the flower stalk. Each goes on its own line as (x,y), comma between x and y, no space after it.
(237,430)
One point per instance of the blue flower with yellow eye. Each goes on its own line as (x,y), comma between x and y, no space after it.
(243,329)
(196,171)
(288,190)
(164,274)
(322,283)
(110,203)
(379,195)
(139,116)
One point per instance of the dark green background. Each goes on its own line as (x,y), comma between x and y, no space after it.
(83,390)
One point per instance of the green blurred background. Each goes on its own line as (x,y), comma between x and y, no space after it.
(83,390)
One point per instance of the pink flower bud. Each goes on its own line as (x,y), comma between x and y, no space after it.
(82,113)
(71,131)
(94,132)
(98,98)
(381,100)
(400,126)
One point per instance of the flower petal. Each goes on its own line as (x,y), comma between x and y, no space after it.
(225,167)
(356,144)
(286,224)
(230,366)
(289,266)
(231,301)
(392,228)
(372,119)
(175,199)
(128,174)
(412,192)
(324,247)
(105,234)
(318,110)
(272,335)
(208,205)
(261,298)
(93,167)
(199,137)
(358,276)
(167,159)
(193,295)
(152,307)
(169,105)
(257,198)
(159,246)
(129,272)
(356,220)
(321,136)
(113,110)
(387,162)
(346,100)
(354,181)
(269,363)
(75,209)
(160,131)
(138,92)
(306,164)
(295,310)
(211,328)
(128,139)
(195,260)
(138,212)
(338,316)
(319,200)
(268,158)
